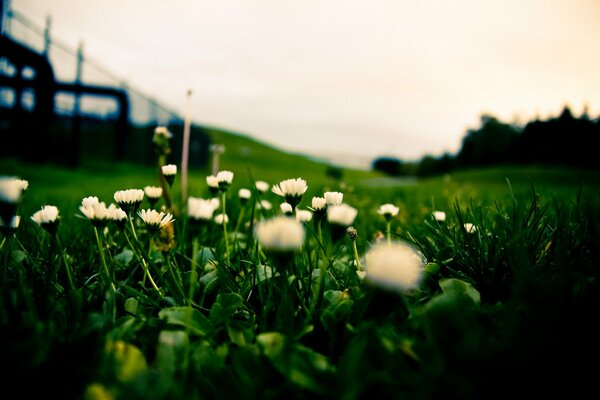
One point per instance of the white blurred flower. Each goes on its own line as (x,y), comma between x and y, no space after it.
(244,194)
(286,208)
(221,219)
(303,215)
(470,228)
(130,199)
(89,201)
(388,211)
(11,226)
(280,234)
(153,193)
(117,215)
(163,131)
(95,211)
(169,170)
(224,178)
(265,205)
(334,198)
(318,203)
(291,189)
(200,209)
(155,220)
(262,186)
(11,189)
(395,266)
(212,181)
(439,216)
(341,215)
(47,218)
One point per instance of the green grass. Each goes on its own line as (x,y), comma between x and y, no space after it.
(507,309)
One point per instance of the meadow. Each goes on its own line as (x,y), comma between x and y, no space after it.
(477,284)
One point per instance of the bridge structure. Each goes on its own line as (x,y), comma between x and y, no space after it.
(57,104)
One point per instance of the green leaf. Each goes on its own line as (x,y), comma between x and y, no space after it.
(264,272)
(168,352)
(188,318)
(205,255)
(123,259)
(459,288)
(301,365)
(225,306)
(18,255)
(131,305)
(128,360)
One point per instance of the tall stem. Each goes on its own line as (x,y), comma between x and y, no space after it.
(389,233)
(356,260)
(224,197)
(108,276)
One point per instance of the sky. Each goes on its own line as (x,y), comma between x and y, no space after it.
(350,80)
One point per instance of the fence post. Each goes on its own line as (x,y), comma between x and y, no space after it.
(76,133)
(47,39)
(185,149)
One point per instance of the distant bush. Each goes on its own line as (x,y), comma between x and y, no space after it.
(389,165)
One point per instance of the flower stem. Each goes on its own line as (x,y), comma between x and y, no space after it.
(108,276)
(389,233)
(103,259)
(143,262)
(225,227)
(356,260)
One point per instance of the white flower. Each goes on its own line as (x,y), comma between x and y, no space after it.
(94,210)
(334,198)
(153,192)
(163,131)
(212,182)
(23,184)
(244,194)
(129,199)
(280,234)
(264,204)
(116,214)
(396,266)
(439,216)
(470,228)
(221,219)
(47,215)
(225,177)
(200,208)
(388,211)
(14,222)
(341,215)
(11,189)
(303,215)
(262,186)
(169,169)
(155,220)
(89,201)
(286,208)
(318,203)
(291,189)
(215,202)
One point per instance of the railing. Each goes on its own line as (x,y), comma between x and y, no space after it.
(72,65)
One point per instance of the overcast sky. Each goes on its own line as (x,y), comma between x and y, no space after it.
(345,77)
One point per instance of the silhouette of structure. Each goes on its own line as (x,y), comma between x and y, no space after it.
(27,121)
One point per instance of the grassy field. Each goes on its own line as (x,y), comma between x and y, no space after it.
(201,310)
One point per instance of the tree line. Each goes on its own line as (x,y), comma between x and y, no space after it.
(560,140)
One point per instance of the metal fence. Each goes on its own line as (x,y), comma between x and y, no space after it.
(84,125)
(67,61)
